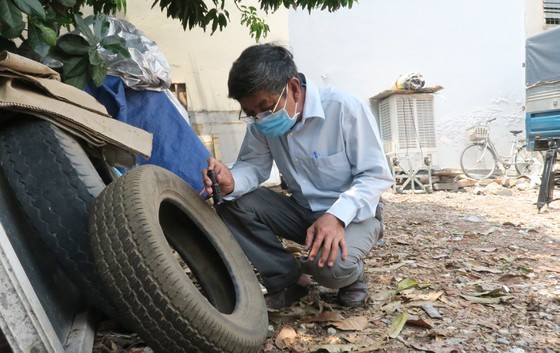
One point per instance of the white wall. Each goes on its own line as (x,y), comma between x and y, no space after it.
(534,17)
(197,58)
(474,49)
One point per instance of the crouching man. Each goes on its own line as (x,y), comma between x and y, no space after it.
(326,145)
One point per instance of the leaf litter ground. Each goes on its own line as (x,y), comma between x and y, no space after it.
(467,271)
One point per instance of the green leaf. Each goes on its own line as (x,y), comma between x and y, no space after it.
(94,58)
(48,34)
(11,20)
(100,26)
(67,3)
(78,81)
(75,66)
(31,7)
(82,26)
(36,42)
(73,44)
(397,325)
(98,73)
(117,45)
(405,284)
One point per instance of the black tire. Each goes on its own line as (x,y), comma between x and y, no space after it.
(55,185)
(478,162)
(142,226)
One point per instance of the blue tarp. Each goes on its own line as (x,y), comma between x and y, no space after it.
(175,145)
(542,54)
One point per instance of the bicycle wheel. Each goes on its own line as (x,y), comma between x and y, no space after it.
(478,161)
(528,163)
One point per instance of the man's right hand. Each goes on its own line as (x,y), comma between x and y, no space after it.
(223,177)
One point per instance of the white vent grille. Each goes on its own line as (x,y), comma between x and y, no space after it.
(425,116)
(407,124)
(551,12)
(385,121)
(415,119)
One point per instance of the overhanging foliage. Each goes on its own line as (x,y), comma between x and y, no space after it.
(32,28)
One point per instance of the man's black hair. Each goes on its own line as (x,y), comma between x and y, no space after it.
(262,67)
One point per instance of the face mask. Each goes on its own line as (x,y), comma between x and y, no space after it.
(277,123)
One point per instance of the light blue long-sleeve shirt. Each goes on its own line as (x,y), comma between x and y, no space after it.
(332,160)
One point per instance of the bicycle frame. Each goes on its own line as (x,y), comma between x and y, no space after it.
(507,161)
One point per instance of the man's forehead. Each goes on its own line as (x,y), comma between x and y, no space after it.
(258,100)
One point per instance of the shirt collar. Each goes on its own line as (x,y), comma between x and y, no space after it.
(312,106)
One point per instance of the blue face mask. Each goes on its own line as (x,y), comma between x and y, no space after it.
(277,123)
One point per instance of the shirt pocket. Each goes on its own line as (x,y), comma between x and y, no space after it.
(331,173)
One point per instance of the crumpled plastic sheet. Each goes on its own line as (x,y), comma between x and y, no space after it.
(411,80)
(147,67)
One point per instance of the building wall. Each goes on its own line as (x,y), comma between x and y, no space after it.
(202,62)
(474,49)
(534,17)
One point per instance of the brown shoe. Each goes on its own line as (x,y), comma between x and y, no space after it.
(285,297)
(354,294)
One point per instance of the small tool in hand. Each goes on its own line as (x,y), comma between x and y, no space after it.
(216,193)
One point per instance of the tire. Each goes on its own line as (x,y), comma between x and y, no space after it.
(142,226)
(478,162)
(529,163)
(55,185)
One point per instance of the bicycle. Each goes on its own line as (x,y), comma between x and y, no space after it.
(480,158)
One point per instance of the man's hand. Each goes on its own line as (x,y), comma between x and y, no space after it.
(223,177)
(327,233)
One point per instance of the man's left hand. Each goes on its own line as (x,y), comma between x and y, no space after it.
(327,233)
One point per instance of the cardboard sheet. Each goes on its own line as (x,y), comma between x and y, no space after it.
(30,87)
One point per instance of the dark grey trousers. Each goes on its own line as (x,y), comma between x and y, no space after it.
(259,217)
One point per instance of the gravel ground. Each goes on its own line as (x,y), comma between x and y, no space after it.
(469,271)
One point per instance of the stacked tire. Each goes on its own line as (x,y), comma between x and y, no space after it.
(141,225)
(146,249)
(55,185)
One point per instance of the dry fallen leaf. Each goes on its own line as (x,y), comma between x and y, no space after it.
(286,334)
(509,279)
(268,347)
(334,348)
(435,347)
(354,323)
(391,307)
(548,269)
(386,268)
(431,311)
(416,321)
(325,316)
(485,249)
(432,296)
(481,300)
(485,269)
(381,296)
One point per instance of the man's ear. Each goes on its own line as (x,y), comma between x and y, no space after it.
(295,87)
